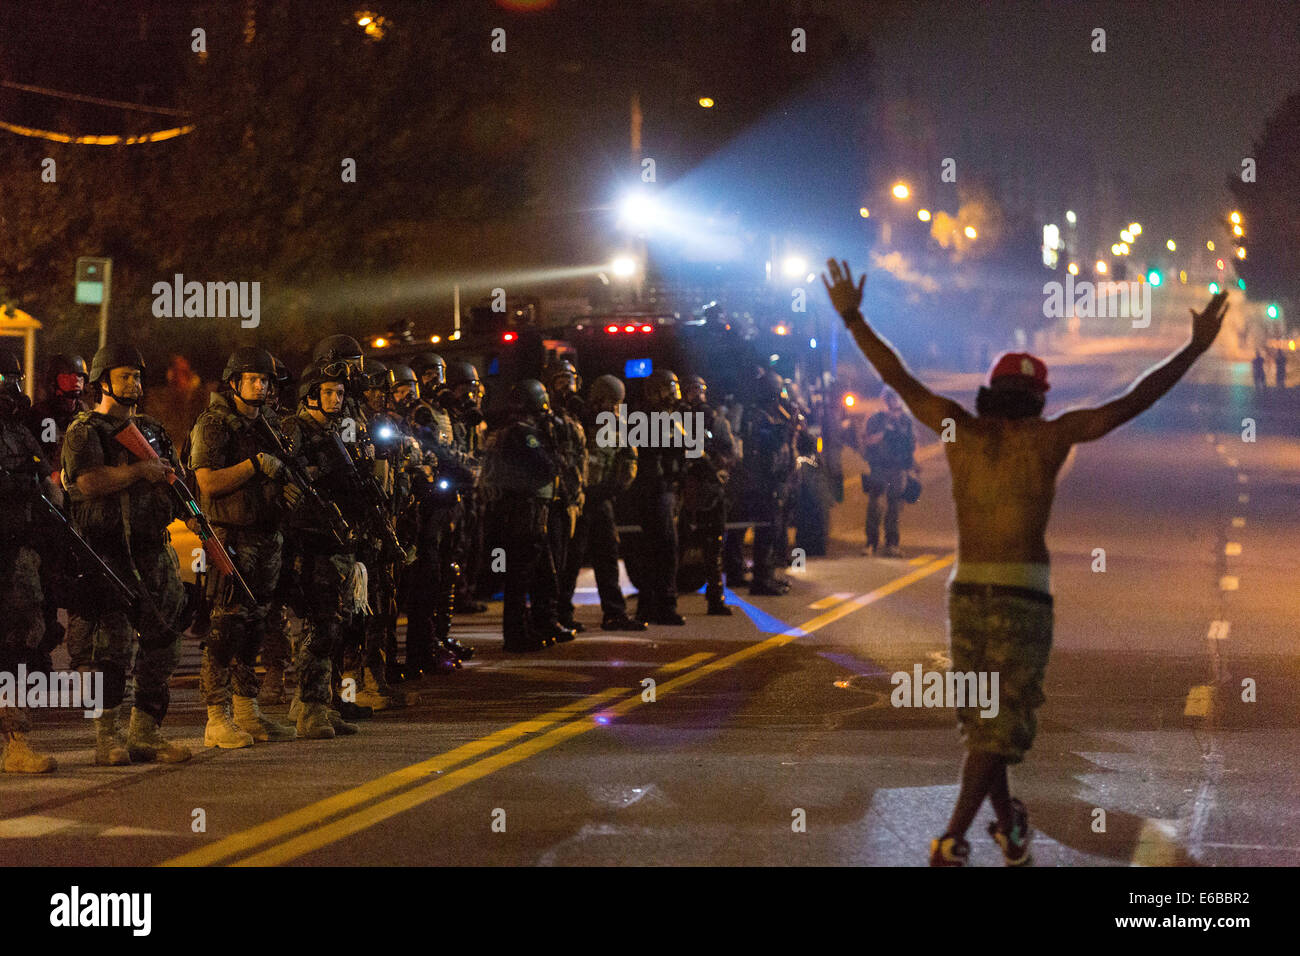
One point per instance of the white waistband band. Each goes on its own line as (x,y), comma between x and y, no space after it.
(1020,574)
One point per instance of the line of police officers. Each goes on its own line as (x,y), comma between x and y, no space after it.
(380,489)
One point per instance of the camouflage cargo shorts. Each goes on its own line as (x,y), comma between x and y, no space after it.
(1011,635)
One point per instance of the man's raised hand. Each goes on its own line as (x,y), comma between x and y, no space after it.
(1206,324)
(845,296)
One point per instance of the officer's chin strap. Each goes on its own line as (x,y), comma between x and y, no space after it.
(358,587)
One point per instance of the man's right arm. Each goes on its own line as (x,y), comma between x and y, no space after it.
(1089,424)
(110,479)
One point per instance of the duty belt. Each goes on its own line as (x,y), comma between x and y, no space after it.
(971,589)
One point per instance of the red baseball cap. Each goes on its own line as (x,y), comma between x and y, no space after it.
(1019,370)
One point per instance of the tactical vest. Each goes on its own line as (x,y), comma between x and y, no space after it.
(147,508)
(20,474)
(222,437)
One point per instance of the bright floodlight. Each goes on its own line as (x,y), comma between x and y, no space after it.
(639,211)
(1070,217)
(794,266)
(901,191)
(623,267)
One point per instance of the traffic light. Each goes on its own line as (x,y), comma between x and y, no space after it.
(1218,264)
(1272,311)
(1154,277)
(1214,288)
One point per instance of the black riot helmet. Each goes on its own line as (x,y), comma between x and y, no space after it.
(374,374)
(249,358)
(338,348)
(461,373)
(430,362)
(399,375)
(696,390)
(282,378)
(13,401)
(562,369)
(529,397)
(111,357)
(607,392)
(315,375)
(61,373)
(662,388)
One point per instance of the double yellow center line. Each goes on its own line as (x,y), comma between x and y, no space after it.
(579,717)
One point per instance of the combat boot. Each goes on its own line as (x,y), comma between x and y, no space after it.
(341,727)
(272,691)
(110,748)
(145,742)
(222,732)
(295,709)
(250,719)
(19,757)
(377,694)
(314,722)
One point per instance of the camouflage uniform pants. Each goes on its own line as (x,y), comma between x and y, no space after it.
(365,635)
(231,647)
(107,640)
(324,582)
(22,623)
(1012,636)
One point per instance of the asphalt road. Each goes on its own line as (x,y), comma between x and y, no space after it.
(770,738)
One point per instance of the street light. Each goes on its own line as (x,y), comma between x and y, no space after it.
(706,102)
(794,266)
(1241,252)
(864,212)
(1238,231)
(970,232)
(1127,235)
(1073,268)
(1070,216)
(901,191)
(1209,244)
(923,215)
(1135,228)
(1101,266)
(623,266)
(1170,245)
(1114,249)
(1235,217)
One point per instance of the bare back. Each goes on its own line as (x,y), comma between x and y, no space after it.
(1003,482)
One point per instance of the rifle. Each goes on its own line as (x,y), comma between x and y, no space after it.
(365,483)
(84,551)
(298,475)
(130,438)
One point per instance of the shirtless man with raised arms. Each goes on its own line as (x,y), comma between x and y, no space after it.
(1004,462)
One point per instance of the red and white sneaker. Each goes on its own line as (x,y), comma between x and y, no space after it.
(949,851)
(1015,841)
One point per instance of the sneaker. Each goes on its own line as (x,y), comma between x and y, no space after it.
(949,851)
(1014,842)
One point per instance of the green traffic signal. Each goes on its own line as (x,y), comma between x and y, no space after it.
(1214,288)
(1154,277)
(1272,310)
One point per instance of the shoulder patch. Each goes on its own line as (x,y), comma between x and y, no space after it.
(77,435)
(532,442)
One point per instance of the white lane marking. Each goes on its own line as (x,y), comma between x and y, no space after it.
(33,826)
(1243,499)
(1228,582)
(1239,522)
(1232,549)
(1219,630)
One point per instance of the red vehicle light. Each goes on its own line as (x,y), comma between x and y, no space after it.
(646,328)
(611,328)
(508,337)
(629,328)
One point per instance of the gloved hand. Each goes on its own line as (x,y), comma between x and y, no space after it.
(269,465)
(292,496)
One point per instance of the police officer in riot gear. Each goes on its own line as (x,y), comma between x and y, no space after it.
(461,397)
(704,490)
(122,507)
(432,370)
(277,651)
(611,469)
(562,383)
(241,487)
(658,480)
(328,575)
(769,464)
(23,475)
(520,472)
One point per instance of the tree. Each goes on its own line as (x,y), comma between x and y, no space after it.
(1270,210)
